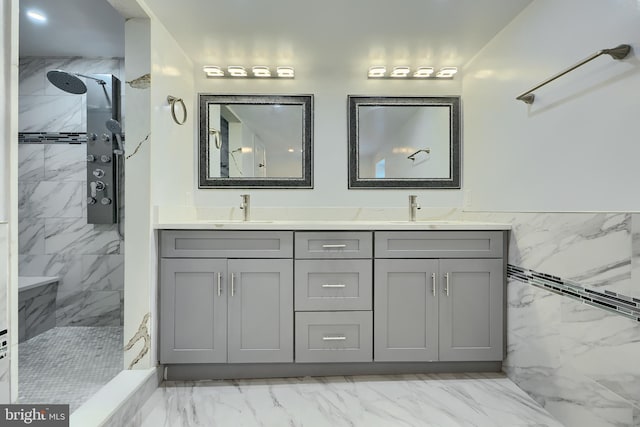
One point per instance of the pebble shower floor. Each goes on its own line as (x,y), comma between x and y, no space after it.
(67,365)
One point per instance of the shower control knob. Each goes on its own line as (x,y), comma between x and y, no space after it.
(105,137)
(91,200)
(91,158)
(92,136)
(105,158)
(98,173)
(99,185)
(105,201)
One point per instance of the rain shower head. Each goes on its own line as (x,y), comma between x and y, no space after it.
(69,82)
(66,82)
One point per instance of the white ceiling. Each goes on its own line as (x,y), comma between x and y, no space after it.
(350,35)
(89,28)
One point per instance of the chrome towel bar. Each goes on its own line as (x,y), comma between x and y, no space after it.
(618,52)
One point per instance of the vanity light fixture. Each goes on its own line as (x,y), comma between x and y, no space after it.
(446,72)
(400,72)
(404,72)
(423,72)
(261,71)
(237,71)
(377,72)
(257,72)
(213,71)
(285,72)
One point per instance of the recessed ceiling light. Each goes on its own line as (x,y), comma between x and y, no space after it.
(36,16)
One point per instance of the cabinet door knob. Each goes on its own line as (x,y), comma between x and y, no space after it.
(219,283)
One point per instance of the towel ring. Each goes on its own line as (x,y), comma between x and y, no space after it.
(172,100)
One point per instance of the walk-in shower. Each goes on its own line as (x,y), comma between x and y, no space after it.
(103,163)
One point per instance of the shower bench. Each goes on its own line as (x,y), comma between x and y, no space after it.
(36,305)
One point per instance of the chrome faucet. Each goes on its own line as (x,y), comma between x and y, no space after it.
(245,205)
(413,206)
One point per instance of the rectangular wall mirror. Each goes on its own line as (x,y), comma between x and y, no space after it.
(256,141)
(404,142)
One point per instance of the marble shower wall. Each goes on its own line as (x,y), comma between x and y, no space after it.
(579,362)
(45,108)
(54,237)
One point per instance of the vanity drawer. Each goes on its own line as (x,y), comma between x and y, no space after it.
(439,244)
(334,244)
(225,244)
(343,336)
(337,284)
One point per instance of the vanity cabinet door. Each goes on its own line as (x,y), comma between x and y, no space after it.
(193,313)
(260,304)
(471,309)
(405,310)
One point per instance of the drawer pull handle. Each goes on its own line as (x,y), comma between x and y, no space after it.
(342,338)
(446,286)
(433,284)
(334,246)
(233,284)
(219,281)
(339,285)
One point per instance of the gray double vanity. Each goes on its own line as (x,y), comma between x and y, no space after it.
(288,299)
(271,299)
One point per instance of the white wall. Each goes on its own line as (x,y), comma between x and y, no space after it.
(138,266)
(9,195)
(173,148)
(576,148)
(330,89)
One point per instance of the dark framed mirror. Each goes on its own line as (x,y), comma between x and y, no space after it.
(404,142)
(255,141)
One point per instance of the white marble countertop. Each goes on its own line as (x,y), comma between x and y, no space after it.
(329,225)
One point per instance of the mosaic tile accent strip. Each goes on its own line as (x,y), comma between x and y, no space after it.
(611,301)
(52,137)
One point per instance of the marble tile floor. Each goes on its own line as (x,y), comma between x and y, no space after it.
(442,400)
(66,365)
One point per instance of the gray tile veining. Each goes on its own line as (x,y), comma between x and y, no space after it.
(394,400)
(89,308)
(31,76)
(73,236)
(50,113)
(65,162)
(31,236)
(30,163)
(50,199)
